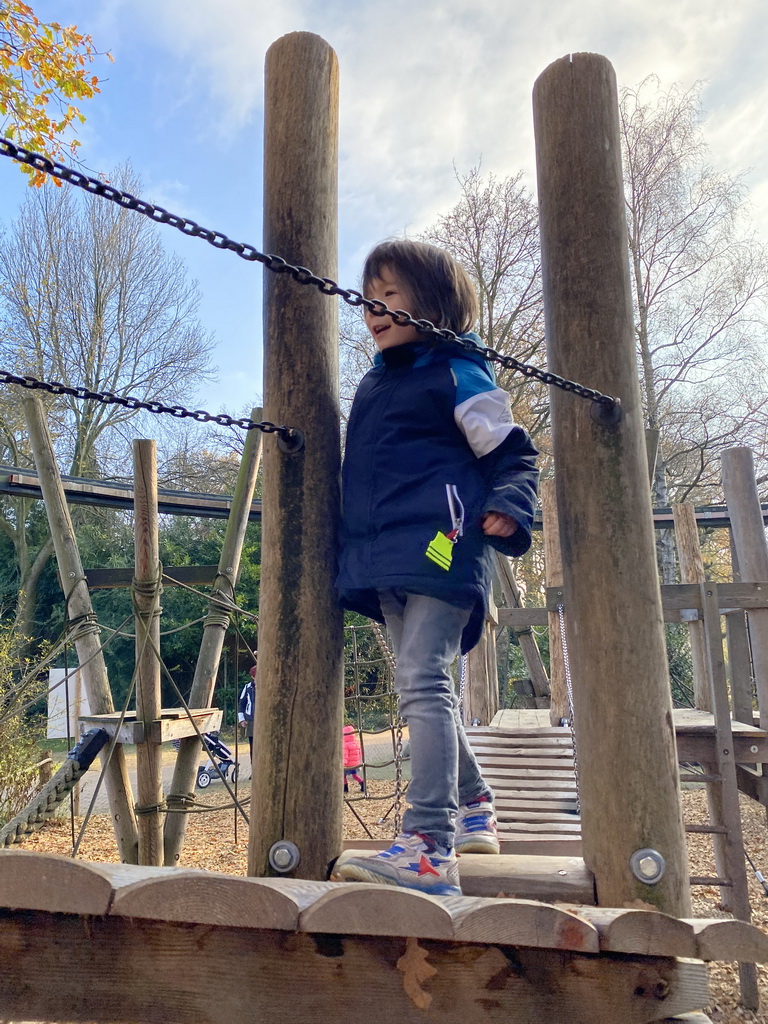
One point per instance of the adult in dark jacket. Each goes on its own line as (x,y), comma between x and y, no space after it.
(435,473)
(246,708)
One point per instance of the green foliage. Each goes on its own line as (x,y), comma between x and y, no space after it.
(105,539)
(369,701)
(19,736)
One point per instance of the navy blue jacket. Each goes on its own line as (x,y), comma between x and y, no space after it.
(429,417)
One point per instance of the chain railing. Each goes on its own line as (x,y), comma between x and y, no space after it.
(289,438)
(608,406)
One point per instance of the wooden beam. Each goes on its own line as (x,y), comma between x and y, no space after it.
(214,629)
(622,701)
(146,599)
(740,489)
(159,972)
(296,794)
(692,571)
(79,608)
(190,575)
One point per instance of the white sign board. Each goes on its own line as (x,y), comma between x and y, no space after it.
(58,690)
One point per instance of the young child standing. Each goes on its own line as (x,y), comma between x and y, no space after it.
(435,473)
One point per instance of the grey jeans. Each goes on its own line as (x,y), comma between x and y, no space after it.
(426,634)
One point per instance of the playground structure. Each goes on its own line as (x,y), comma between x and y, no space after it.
(152,943)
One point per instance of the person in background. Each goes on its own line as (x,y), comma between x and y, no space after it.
(246,707)
(353,758)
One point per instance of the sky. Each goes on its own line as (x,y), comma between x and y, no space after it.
(427,90)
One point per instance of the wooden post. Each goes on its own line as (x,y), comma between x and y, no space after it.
(481,693)
(692,571)
(525,637)
(623,730)
(78,605)
(146,598)
(214,630)
(297,791)
(559,707)
(741,495)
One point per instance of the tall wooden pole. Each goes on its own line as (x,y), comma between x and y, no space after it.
(629,788)
(297,791)
(146,597)
(79,608)
(743,501)
(214,630)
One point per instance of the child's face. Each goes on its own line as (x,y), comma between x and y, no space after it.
(395,293)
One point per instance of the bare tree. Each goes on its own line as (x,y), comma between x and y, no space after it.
(89,297)
(699,276)
(493,232)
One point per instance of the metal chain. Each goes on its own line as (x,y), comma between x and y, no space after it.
(291,438)
(302,275)
(569,688)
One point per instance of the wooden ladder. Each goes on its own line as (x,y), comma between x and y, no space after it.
(722,790)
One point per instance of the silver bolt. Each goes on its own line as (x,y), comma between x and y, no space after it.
(562,872)
(284,856)
(647,866)
(71,575)
(230,570)
(754,749)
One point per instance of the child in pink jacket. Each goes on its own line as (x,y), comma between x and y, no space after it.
(353,758)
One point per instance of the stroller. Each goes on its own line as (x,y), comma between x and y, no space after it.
(219,754)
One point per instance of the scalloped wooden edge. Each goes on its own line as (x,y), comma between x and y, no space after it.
(360,908)
(52,882)
(635,930)
(525,923)
(729,939)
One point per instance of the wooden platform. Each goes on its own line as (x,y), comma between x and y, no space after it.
(173,724)
(531,771)
(530,766)
(102,942)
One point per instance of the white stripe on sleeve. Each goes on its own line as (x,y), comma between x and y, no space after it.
(485,420)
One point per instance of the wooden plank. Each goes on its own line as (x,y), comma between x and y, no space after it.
(363,909)
(640,931)
(701,748)
(523,618)
(526,800)
(522,730)
(693,721)
(515,751)
(522,923)
(729,939)
(203,897)
(537,815)
(160,972)
(173,724)
(36,881)
(522,775)
(571,827)
(489,760)
(189,575)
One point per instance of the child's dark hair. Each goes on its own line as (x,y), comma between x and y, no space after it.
(442,290)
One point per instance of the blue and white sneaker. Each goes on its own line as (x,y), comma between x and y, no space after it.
(412,862)
(476,828)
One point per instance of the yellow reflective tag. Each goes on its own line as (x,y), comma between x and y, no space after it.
(440,551)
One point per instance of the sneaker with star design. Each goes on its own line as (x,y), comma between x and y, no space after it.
(413,861)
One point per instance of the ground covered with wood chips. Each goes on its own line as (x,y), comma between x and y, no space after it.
(217,841)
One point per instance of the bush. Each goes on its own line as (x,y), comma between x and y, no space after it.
(19,733)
